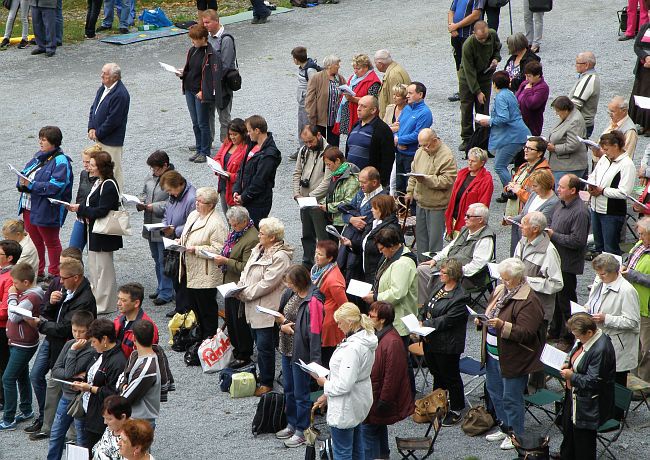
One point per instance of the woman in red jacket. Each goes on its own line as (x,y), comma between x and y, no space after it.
(473,185)
(390,370)
(327,277)
(230,157)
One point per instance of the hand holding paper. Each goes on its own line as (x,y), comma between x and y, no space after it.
(359,288)
(413,325)
(307,202)
(553,357)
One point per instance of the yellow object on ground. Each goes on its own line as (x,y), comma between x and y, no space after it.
(16,40)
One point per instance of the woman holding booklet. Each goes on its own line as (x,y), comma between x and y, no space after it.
(204,233)
(446,311)
(230,157)
(301,325)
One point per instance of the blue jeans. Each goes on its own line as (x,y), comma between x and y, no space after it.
(260,10)
(62,422)
(375,441)
(165,288)
(200,115)
(44,24)
(347,444)
(265,355)
(607,232)
(557,175)
(131,20)
(59,22)
(502,158)
(402,166)
(78,236)
(507,396)
(40,368)
(123,13)
(17,371)
(296,394)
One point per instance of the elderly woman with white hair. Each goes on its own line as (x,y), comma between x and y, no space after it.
(262,281)
(614,305)
(511,348)
(636,270)
(324,97)
(394,75)
(204,234)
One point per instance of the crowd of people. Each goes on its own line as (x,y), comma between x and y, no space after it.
(369,157)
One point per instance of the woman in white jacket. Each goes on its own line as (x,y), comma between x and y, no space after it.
(348,390)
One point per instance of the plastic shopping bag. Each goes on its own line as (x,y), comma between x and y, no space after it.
(215,353)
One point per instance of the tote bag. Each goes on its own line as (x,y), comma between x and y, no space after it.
(115,222)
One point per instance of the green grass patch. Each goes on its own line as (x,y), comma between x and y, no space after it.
(74,15)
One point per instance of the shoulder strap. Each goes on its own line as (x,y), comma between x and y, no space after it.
(234,47)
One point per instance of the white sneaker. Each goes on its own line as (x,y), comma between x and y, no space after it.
(496,436)
(285,433)
(295,441)
(507,444)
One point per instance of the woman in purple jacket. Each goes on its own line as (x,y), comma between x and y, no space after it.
(532,96)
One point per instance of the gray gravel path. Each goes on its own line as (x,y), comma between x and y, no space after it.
(199,421)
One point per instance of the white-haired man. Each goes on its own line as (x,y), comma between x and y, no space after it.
(620,121)
(586,91)
(394,75)
(473,247)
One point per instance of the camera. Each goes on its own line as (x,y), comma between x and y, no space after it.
(304,183)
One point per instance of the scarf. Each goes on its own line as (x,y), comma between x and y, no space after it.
(354,81)
(231,240)
(507,295)
(319,273)
(340,170)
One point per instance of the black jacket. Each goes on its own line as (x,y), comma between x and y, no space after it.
(593,382)
(58,331)
(370,252)
(211,75)
(104,199)
(257,175)
(306,343)
(382,149)
(113,364)
(449,317)
(528,56)
(85,184)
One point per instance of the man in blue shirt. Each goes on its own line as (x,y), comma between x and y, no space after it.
(460,19)
(415,117)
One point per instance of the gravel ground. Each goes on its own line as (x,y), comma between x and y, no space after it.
(199,421)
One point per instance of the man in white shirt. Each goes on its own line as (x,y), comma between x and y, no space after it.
(620,121)
(473,247)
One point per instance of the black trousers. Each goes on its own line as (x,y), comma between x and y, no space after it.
(577,444)
(4,358)
(258,213)
(330,137)
(182,298)
(537,380)
(206,309)
(314,221)
(92,13)
(407,341)
(468,104)
(446,375)
(492,14)
(457,45)
(621,379)
(562,307)
(238,329)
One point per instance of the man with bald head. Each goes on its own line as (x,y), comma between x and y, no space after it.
(394,74)
(370,142)
(586,91)
(435,171)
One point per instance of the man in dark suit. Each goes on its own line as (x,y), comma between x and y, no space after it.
(108,116)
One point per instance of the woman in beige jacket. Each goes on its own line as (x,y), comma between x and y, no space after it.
(262,277)
(204,234)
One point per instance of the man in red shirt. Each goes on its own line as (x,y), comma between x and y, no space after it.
(129,303)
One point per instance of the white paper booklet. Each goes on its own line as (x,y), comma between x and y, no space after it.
(76,453)
(359,288)
(577,308)
(553,357)
(474,314)
(208,254)
(511,220)
(55,201)
(168,68)
(412,174)
(345,89)
(307,202)
(131,199)
(155,226)
(268,311)
(413,325)
(230,289)
(172,245)
(313,368)
(216,167)
(480,116)
(65,382)
(589,142)
(641,101)
(331,229)
(18,173)
(586,181)
(634,200)
(20,311)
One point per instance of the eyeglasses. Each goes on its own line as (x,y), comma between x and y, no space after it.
(580,63)
(467,216)
(530,148)
(202,202)
(63,278)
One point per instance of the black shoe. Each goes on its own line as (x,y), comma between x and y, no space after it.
(260,20)
(170,313)
(23,44)
(102,28)
(38,436)
(194,157)
(454,97)
(200,159)
(124,30)
(35,52)
(624,38)
(192,148)
(32,41)
(153,296)
(502,199)
(5,43)
(35,427)
(239,363)
(451,418)
(159,301)
(50,54)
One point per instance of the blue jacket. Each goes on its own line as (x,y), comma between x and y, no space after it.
(53,180)
(413,119)
(109,121)
(506,124)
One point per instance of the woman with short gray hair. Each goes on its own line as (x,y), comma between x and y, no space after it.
(520,55)
(323,98)
(614,305)
(510,348)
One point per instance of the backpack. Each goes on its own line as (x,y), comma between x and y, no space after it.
(225,376)
(232,77)
(269,416)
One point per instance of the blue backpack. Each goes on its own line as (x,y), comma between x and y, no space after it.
(156,17)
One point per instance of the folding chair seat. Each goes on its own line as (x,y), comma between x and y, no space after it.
(416,351)
(408,446)
(470,366)
(610,431)
(642,388)
(544,397)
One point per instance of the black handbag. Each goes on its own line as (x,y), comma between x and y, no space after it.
(171,263)
(540,6)
(232,77)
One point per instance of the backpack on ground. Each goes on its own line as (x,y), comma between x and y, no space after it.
(225,376)
(269,416)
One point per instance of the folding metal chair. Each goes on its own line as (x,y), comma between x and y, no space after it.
(408,446)
(543,398)
(470,366)
(622,401)
(416,351)
(634,383)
